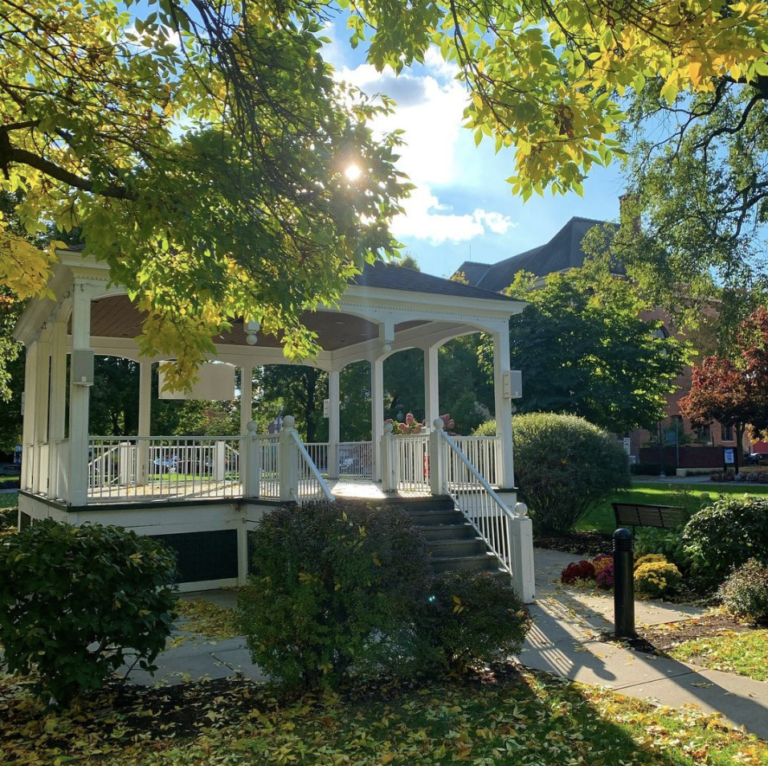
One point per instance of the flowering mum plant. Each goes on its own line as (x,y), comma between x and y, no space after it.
(578,570)
(606,577)
(408,427)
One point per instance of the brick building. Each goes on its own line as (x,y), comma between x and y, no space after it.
(683,446)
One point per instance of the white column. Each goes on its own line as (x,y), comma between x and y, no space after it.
(246,398)
(388,478)
(58,405)
(42,393)
(431,385)
(145,420)
(79,397)
(377,413)
(334,423)
(28,432)
(436,454)
(503,399)
(250,462)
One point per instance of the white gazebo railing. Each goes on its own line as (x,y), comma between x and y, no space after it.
(411,463)
(269,462)
(484,452)
(163,467)
(342,460)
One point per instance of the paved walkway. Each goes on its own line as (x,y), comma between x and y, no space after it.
(564,640)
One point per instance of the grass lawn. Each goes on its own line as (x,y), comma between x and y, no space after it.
(9,500)
(742,653)
(8,518)
(517,720)
(690,496)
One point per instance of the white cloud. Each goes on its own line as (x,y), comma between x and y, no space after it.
(430,113)
(430,106)
(425,218)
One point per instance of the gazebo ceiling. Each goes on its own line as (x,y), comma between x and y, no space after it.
(116,317)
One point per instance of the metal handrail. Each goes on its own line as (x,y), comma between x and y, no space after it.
(314,474)
(477,500)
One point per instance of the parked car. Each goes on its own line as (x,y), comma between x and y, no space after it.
(167,463)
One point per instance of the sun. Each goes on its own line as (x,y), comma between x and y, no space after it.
(353,172)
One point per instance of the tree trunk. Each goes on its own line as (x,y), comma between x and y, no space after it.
(739,428)
(309,405)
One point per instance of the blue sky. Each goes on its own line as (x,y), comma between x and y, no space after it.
(462,208)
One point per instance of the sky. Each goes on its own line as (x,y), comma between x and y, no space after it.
(462,208)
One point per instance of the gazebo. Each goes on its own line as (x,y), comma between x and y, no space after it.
(212,490)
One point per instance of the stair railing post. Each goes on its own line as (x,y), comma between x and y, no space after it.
(388,480)
(520,531)
(436,467)
(288,462)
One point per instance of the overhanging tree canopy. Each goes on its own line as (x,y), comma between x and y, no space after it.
(201,147)
(201,151)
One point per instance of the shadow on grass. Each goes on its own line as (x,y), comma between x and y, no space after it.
(507,718)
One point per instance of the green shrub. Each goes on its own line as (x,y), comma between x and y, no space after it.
(487,429)
(726,535)
(9,518)
(76,601)
(469,620)
(656,578)
(564,466)
(745,592)
(667,543)
(336,584)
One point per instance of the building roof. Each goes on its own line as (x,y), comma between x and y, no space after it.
(388,276)
(562,252)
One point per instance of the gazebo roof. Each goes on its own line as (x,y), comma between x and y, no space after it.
(386,308)
(390,276)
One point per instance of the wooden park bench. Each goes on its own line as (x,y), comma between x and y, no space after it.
(634,515)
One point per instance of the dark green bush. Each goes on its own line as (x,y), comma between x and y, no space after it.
(469,620)
(745,592)
(666,542)
(726,535)
(563,467)
(75,602)
(9,518)
(335,584)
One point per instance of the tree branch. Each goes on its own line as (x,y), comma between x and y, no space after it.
(9,154)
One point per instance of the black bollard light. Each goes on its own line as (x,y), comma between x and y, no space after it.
(623,584)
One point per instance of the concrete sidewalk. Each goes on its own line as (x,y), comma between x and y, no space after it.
(565,641)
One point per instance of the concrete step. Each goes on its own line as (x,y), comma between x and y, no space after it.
(435,517)
(436,532)
(477,562)
(457,548)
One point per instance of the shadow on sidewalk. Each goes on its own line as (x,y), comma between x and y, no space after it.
(565,641)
